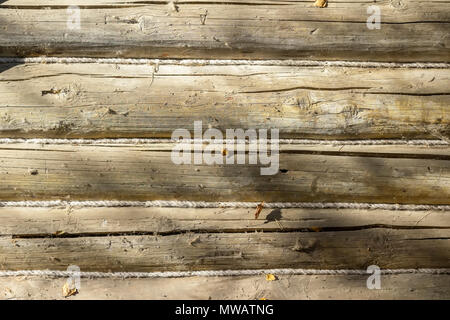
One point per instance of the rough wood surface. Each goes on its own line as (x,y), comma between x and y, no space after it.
(356,249)
(40,222)
(96,100)
(124,172)
(411,30)
(254,288)
(157,239)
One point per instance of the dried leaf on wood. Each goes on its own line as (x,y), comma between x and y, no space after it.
(259,207)
(68,290)
(321,3)
(270,277)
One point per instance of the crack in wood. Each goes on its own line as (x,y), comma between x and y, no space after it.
(223,231)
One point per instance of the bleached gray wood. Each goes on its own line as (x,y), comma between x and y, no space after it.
(357,249)
(133,172)
(73,221)
(106,100)
(395,287)
(410,30)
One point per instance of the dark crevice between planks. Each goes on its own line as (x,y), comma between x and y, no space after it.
(350,88)
(333,153)
(281,170)
(219,231)
(429,238)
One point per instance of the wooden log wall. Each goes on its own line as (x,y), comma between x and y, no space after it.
(116,100)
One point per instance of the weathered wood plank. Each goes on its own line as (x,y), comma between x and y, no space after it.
(387,248)
(407,5)
(32,222)
(124,172)
(256,287)
(97,100)
(410,30)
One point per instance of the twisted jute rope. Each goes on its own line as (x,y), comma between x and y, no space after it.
(205,204)
(136,141)
(191,62)
(213,273)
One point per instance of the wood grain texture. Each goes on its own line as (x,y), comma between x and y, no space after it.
(109,101)
(97,100)
(412,287)
(411,30)
(357,249)
(121,172)
(70,222)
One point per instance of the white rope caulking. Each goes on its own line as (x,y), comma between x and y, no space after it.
(214,273)
(136,141)
(205,204)
(191,62)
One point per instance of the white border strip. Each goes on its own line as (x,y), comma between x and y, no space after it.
(205,204)
(213,273)
(191,62)
(136,141)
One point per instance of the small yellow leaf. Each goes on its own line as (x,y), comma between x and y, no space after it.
(262,299)
(270,277)
(321,3)
(316,229)
(68,291)
(59,233)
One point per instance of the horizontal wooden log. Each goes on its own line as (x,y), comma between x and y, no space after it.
(256,287)
(106,100)
(151,239)
(130,172)
(357,249)
(411,30)
(71,222)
